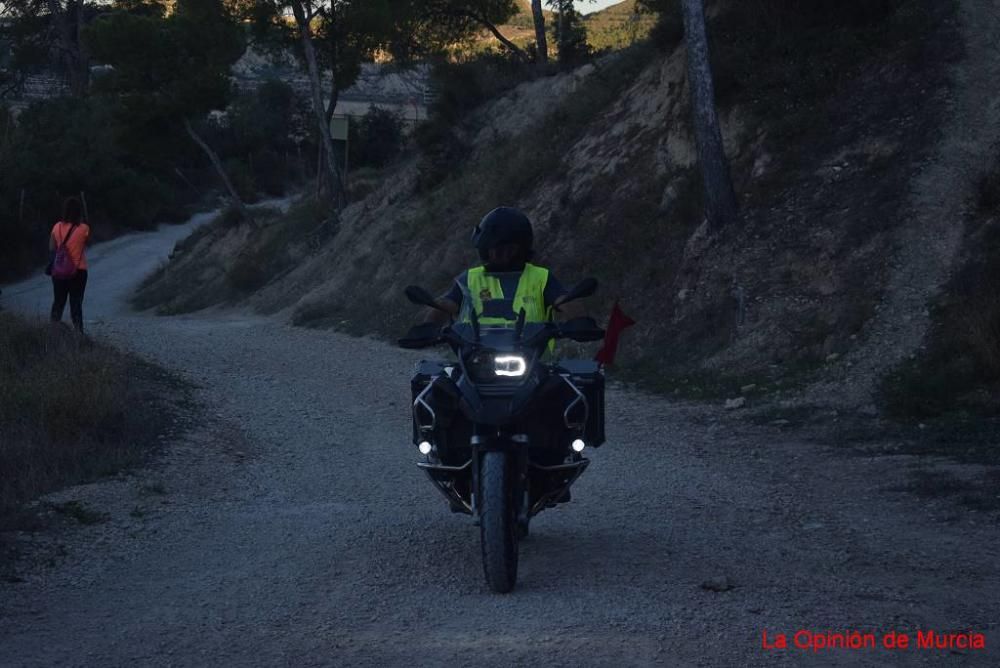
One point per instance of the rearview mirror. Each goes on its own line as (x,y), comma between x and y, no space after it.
(421,297)
(586,336)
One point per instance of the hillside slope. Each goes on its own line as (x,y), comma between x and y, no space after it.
(619,25)
(847,158)
(924,249)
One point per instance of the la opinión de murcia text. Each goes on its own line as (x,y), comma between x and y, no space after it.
(823,641)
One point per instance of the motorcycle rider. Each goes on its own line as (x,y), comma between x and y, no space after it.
(505,241)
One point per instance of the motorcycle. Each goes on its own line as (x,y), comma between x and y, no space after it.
(503,428)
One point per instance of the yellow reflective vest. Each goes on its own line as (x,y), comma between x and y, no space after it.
(530,294)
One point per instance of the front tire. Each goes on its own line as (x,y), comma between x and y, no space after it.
(497,522)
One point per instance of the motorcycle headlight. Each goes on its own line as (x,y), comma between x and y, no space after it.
(486,368)
(513,366)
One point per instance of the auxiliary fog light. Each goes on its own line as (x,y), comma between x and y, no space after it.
(578,445)
(509,365)
(425,447)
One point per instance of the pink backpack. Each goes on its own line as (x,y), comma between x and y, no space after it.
(63,266)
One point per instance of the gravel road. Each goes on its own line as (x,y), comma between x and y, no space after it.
(291,527)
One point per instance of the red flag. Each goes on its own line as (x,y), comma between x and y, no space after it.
(618,322)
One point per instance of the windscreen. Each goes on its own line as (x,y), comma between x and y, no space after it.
(494,305)
(494,334)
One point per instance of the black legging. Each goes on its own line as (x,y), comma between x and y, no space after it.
(74,289)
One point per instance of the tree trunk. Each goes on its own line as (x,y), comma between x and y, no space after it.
(561,38)
(80,54)
(321,182)
(69,27)
(331,109)
(720,200)
(319,171)
(305,34)
(514,48)
(9,118)
(540,40)
(185,179)
(334,98)
(237,202)
(448,13)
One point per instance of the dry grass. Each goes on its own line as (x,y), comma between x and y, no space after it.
(70,410)
(229,259)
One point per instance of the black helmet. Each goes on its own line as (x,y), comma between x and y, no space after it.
(503,225)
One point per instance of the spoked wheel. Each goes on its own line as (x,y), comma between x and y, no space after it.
(497,522)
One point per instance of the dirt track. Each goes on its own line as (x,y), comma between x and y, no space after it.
(295,529)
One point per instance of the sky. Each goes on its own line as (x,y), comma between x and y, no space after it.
(586,7)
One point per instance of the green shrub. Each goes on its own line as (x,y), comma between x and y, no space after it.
(241,176)
(377,138)
(620,27)
(63,147)
(260,119)
(229,218)
(127,160)
(788,54)
(669,29)
(569,33)
(257,131)
(462,87)
(270,172)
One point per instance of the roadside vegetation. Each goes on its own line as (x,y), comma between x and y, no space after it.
(135,177)
(73,410)
(619,26)
(229,258)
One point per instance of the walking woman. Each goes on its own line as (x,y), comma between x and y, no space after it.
(70,235)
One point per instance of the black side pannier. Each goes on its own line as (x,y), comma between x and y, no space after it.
(424,372)
(588,376)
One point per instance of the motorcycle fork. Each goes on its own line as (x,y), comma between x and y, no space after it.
(516,446)
(476,442)
(519,460)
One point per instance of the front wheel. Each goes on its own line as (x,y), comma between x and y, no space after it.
(497,521)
